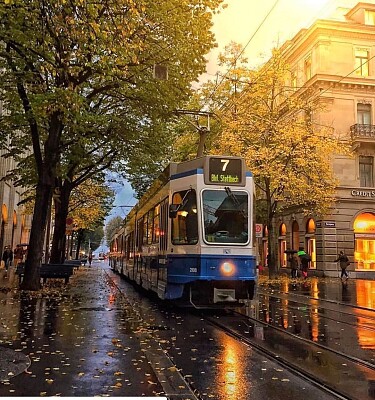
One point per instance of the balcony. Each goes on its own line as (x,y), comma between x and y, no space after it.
(362,133)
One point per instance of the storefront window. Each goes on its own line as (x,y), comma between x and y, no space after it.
(265,246)
(282,246)
(364,230)
(311,242)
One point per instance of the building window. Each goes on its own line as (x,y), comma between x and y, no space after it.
(364,114)
(307,68)
(311,242)
(366,168)
(361,62)
(369,17)
(364,231)
(282,246)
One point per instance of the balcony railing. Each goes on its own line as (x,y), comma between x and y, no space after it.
(362,131)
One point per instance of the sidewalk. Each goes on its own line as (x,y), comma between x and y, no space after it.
(81,339)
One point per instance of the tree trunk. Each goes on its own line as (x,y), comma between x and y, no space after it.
(80,233)
(59,234)
(31,280)
(273,269)
(46,162)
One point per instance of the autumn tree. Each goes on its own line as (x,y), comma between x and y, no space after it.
(89,205)
(77,80)
(112,226)
(212,96)
(275,129)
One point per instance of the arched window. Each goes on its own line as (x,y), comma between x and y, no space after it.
(282,230)
(364,236)
(310,226)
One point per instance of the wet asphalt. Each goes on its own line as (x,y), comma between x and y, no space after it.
(97,336)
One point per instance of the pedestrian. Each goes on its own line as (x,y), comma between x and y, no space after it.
(90,257)
(7,257)
(293,260)
(18,255)
(344,263)
(304,260)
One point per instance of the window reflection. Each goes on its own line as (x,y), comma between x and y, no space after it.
(226,216)
(365,298)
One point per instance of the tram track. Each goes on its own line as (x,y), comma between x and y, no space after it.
(335,374)
(290,295)
(341,311)
(339,390)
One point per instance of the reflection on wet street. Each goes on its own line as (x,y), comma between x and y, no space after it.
(100,336)
(345,320)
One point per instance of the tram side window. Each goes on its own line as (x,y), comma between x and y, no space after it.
(145,230)
(150,226)
(139,234)
(156,225)
(185,224)
(163,225)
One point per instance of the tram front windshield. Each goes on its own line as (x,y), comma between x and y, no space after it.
(226,216)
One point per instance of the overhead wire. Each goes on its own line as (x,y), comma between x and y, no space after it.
(217,85)
(300,87)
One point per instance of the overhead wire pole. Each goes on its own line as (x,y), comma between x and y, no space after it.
(203,130)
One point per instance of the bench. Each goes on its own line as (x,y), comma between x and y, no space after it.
(55,271)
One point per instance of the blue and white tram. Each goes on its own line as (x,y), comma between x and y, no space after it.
(191,235)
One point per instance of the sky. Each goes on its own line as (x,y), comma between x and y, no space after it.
(259,25)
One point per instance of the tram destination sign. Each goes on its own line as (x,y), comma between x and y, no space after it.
(225,171)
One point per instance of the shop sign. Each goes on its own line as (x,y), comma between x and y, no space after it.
(363,193)
(326,224)
(329,224)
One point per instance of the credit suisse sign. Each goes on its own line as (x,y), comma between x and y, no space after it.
(363,193)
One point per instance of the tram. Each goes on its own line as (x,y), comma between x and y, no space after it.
(191,236)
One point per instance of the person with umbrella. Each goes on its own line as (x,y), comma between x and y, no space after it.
(304,261)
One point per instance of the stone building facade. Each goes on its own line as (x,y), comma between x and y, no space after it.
(15,222)
(335,58)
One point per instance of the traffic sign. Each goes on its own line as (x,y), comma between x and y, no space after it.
(258,230)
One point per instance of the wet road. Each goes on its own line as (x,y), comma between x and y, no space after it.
(101,337)
(340,317)
(216,365)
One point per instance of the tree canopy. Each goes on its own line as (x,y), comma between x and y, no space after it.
(277,129)
(79,90)
(112,226)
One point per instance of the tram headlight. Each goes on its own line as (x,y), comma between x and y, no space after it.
(227,268)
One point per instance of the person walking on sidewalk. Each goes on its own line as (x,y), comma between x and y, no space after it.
(90,257)
(293,259)
(304,259)
(7,257)
(344,263)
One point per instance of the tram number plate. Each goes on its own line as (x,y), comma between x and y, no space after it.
(194,270)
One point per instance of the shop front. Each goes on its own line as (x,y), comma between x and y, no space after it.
(364,242)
